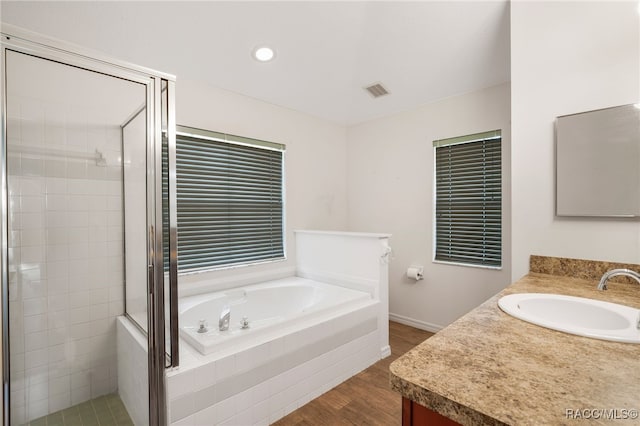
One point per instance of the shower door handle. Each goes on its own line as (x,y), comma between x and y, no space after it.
(150,278)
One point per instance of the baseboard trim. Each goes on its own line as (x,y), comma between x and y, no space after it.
(422,325)
(385,352)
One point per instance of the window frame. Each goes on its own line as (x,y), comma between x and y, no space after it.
(218,137)
(476,137)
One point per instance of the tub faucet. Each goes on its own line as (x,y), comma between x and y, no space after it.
(617,272)
(225,316)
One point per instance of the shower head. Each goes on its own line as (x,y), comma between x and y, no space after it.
(100,159)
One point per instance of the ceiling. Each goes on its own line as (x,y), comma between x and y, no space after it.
(421,51)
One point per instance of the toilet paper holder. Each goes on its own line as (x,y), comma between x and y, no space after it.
(415,272)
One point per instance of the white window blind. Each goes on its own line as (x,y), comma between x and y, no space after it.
(229,200)
(468,190)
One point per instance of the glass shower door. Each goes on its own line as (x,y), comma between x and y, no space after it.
(80,204)
(135,169)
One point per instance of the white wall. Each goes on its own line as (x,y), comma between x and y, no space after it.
(315,159)
(566,57)
(390,189)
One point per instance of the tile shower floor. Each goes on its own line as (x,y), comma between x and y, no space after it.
(101,411)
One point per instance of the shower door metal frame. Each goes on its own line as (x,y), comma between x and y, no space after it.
(18,40)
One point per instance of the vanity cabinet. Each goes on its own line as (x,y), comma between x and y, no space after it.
(414,414)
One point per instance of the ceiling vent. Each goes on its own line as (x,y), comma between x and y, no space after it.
(376,90)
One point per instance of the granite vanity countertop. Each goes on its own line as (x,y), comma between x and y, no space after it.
(490,368)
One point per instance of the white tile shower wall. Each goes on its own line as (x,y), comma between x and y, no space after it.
(267,382)
(65,249)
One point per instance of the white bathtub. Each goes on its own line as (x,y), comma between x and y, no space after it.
(267,307)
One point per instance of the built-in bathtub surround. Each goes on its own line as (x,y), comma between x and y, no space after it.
(489,368)
(229,378)
(276,375)
(133,386)
(354,260)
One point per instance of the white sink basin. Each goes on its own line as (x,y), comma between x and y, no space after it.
(575,315)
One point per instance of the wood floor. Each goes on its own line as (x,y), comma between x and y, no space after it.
(364,399)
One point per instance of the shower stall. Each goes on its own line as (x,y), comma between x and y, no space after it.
(83,229)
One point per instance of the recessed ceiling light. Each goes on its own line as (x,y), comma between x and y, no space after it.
(263,53)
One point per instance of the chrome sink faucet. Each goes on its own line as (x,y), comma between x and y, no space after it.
(225,316)
(615,273)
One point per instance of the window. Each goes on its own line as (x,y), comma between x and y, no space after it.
(229,200)
(468,187)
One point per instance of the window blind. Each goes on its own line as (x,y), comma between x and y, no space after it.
(469,199)
(229,200)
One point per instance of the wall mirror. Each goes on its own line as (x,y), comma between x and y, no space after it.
(598,163)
